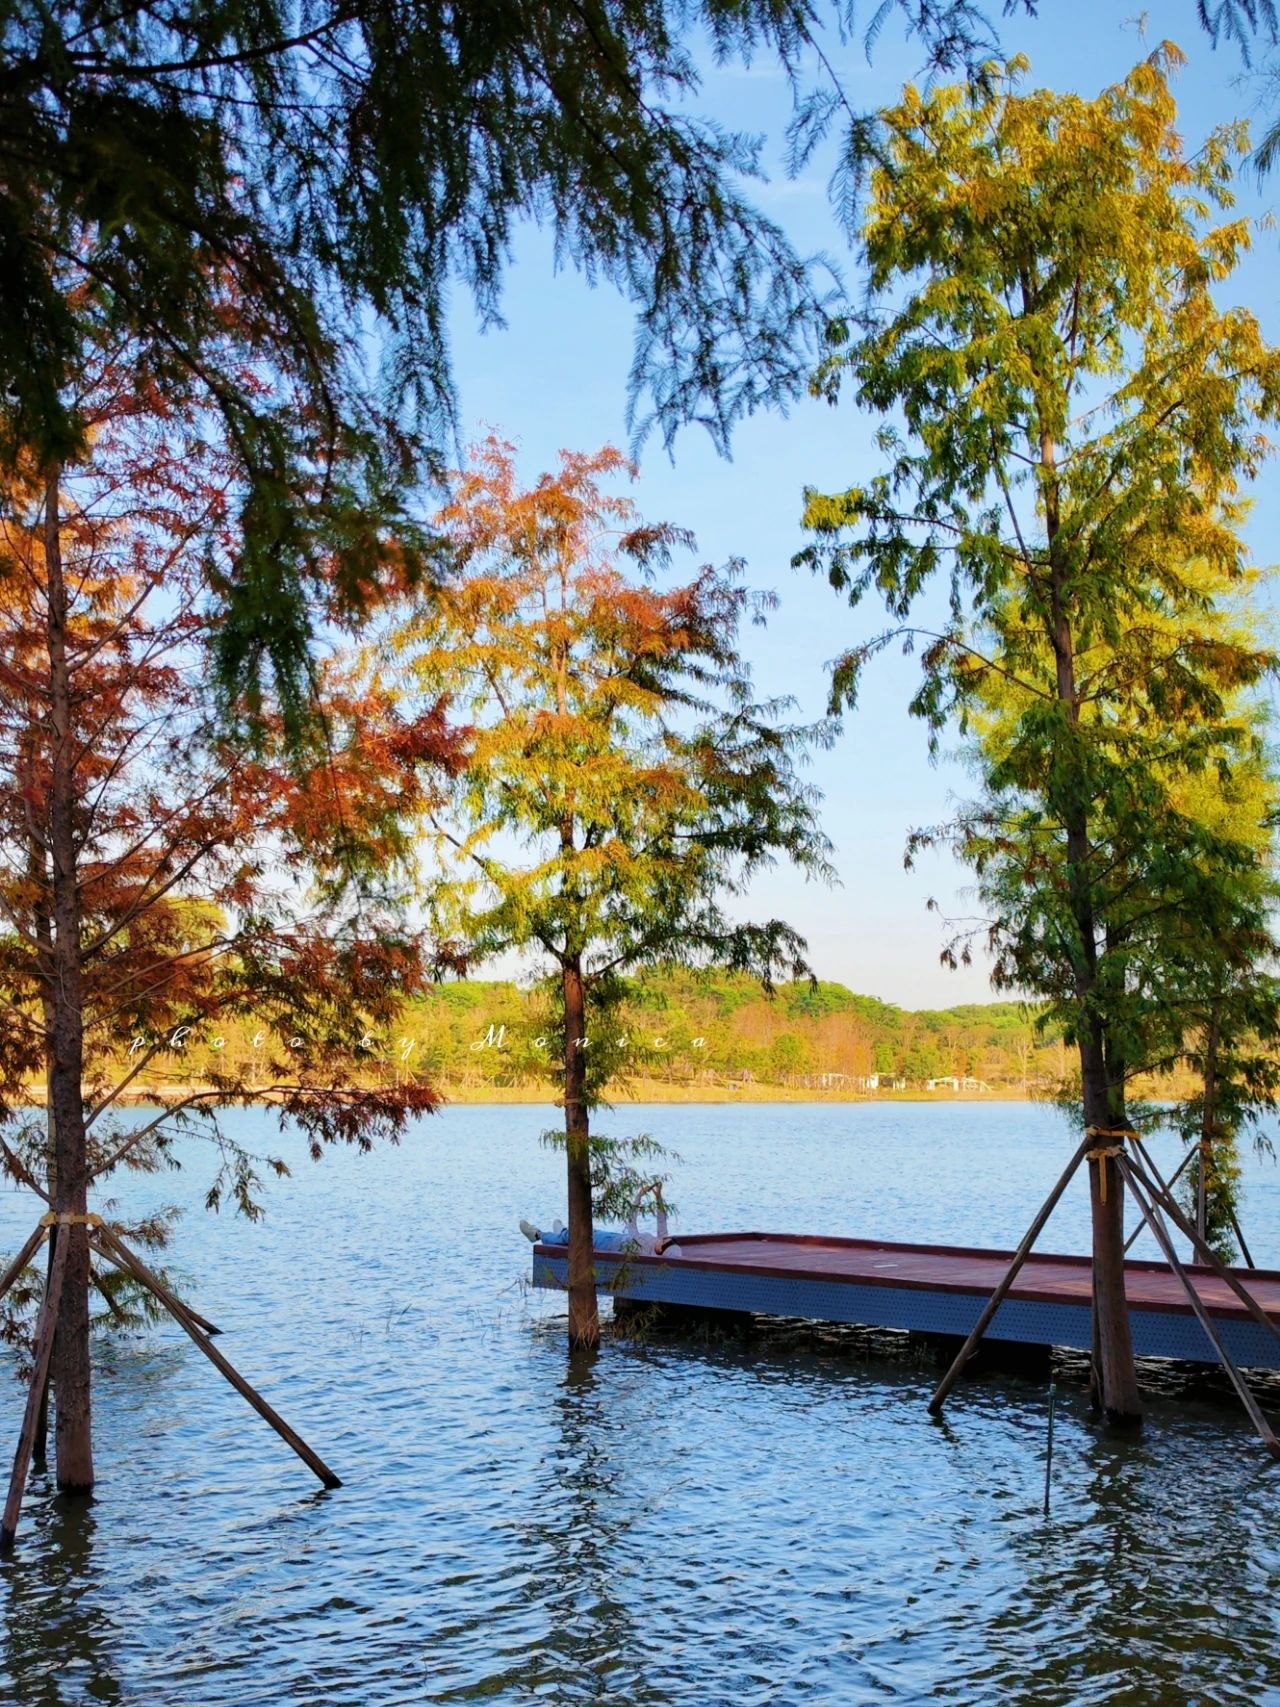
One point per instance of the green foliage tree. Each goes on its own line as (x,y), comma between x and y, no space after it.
(321,162)
(624,785)
(1196,989)
(1230,1002)
(789,1054)
(1079,414)
(1250,24)
(922,1062)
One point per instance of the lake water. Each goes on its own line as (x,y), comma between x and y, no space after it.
(674,1522)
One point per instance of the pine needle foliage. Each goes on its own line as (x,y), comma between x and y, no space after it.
(342,167)
(616,743)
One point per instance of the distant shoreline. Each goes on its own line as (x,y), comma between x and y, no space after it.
(657,1092)
(638,1091)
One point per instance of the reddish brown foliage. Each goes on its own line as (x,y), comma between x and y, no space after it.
(215,876)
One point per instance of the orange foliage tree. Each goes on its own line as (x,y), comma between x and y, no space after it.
(160,874)
(623,786)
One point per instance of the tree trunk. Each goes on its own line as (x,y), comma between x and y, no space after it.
(40,1450)
(41,924)
(1115,1376)
(584,1310)
(71,1376)
(1207,1132)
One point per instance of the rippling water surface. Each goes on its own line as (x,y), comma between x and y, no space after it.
(676,1521)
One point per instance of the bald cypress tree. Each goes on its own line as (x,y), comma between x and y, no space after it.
(1070,416)
(624,785)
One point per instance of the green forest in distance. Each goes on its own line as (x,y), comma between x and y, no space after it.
(696,1031)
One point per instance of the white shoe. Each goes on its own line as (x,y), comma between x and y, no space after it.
(557,1227)
(532,1233)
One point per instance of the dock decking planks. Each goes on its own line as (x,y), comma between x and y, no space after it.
(947,1268)
(930,1288)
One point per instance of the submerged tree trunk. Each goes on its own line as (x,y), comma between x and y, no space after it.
(1117,1376)
(71,1376)
(584,1310)
(40,1450)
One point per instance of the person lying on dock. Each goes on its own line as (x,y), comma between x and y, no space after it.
(629,1239)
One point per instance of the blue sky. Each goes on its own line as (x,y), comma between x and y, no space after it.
(556,377)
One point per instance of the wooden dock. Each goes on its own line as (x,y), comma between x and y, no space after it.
(932,1289)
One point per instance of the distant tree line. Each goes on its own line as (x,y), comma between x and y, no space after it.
(670,1027)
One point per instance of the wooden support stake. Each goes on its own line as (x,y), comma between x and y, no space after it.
(46,1327)
(23,1257)
(1238,1381)
(1208,1255)
(1183,1166)
(1095,1353)
(40,1445)
(182,1316)
(1244,1249)
(1198,1242)
(998,1296)
(7,1279)
(205,1326)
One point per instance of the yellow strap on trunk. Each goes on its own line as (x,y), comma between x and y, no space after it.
(1104,1152)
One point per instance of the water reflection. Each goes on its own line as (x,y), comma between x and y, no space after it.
(772,1522)
(577,1529)
(59,1636)
(1150,1581)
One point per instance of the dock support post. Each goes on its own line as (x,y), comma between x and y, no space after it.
(998,1296)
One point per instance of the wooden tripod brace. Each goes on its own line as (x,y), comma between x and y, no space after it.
(1151,1214)
(112,1247)
(1152,1196)
(1011,1274)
